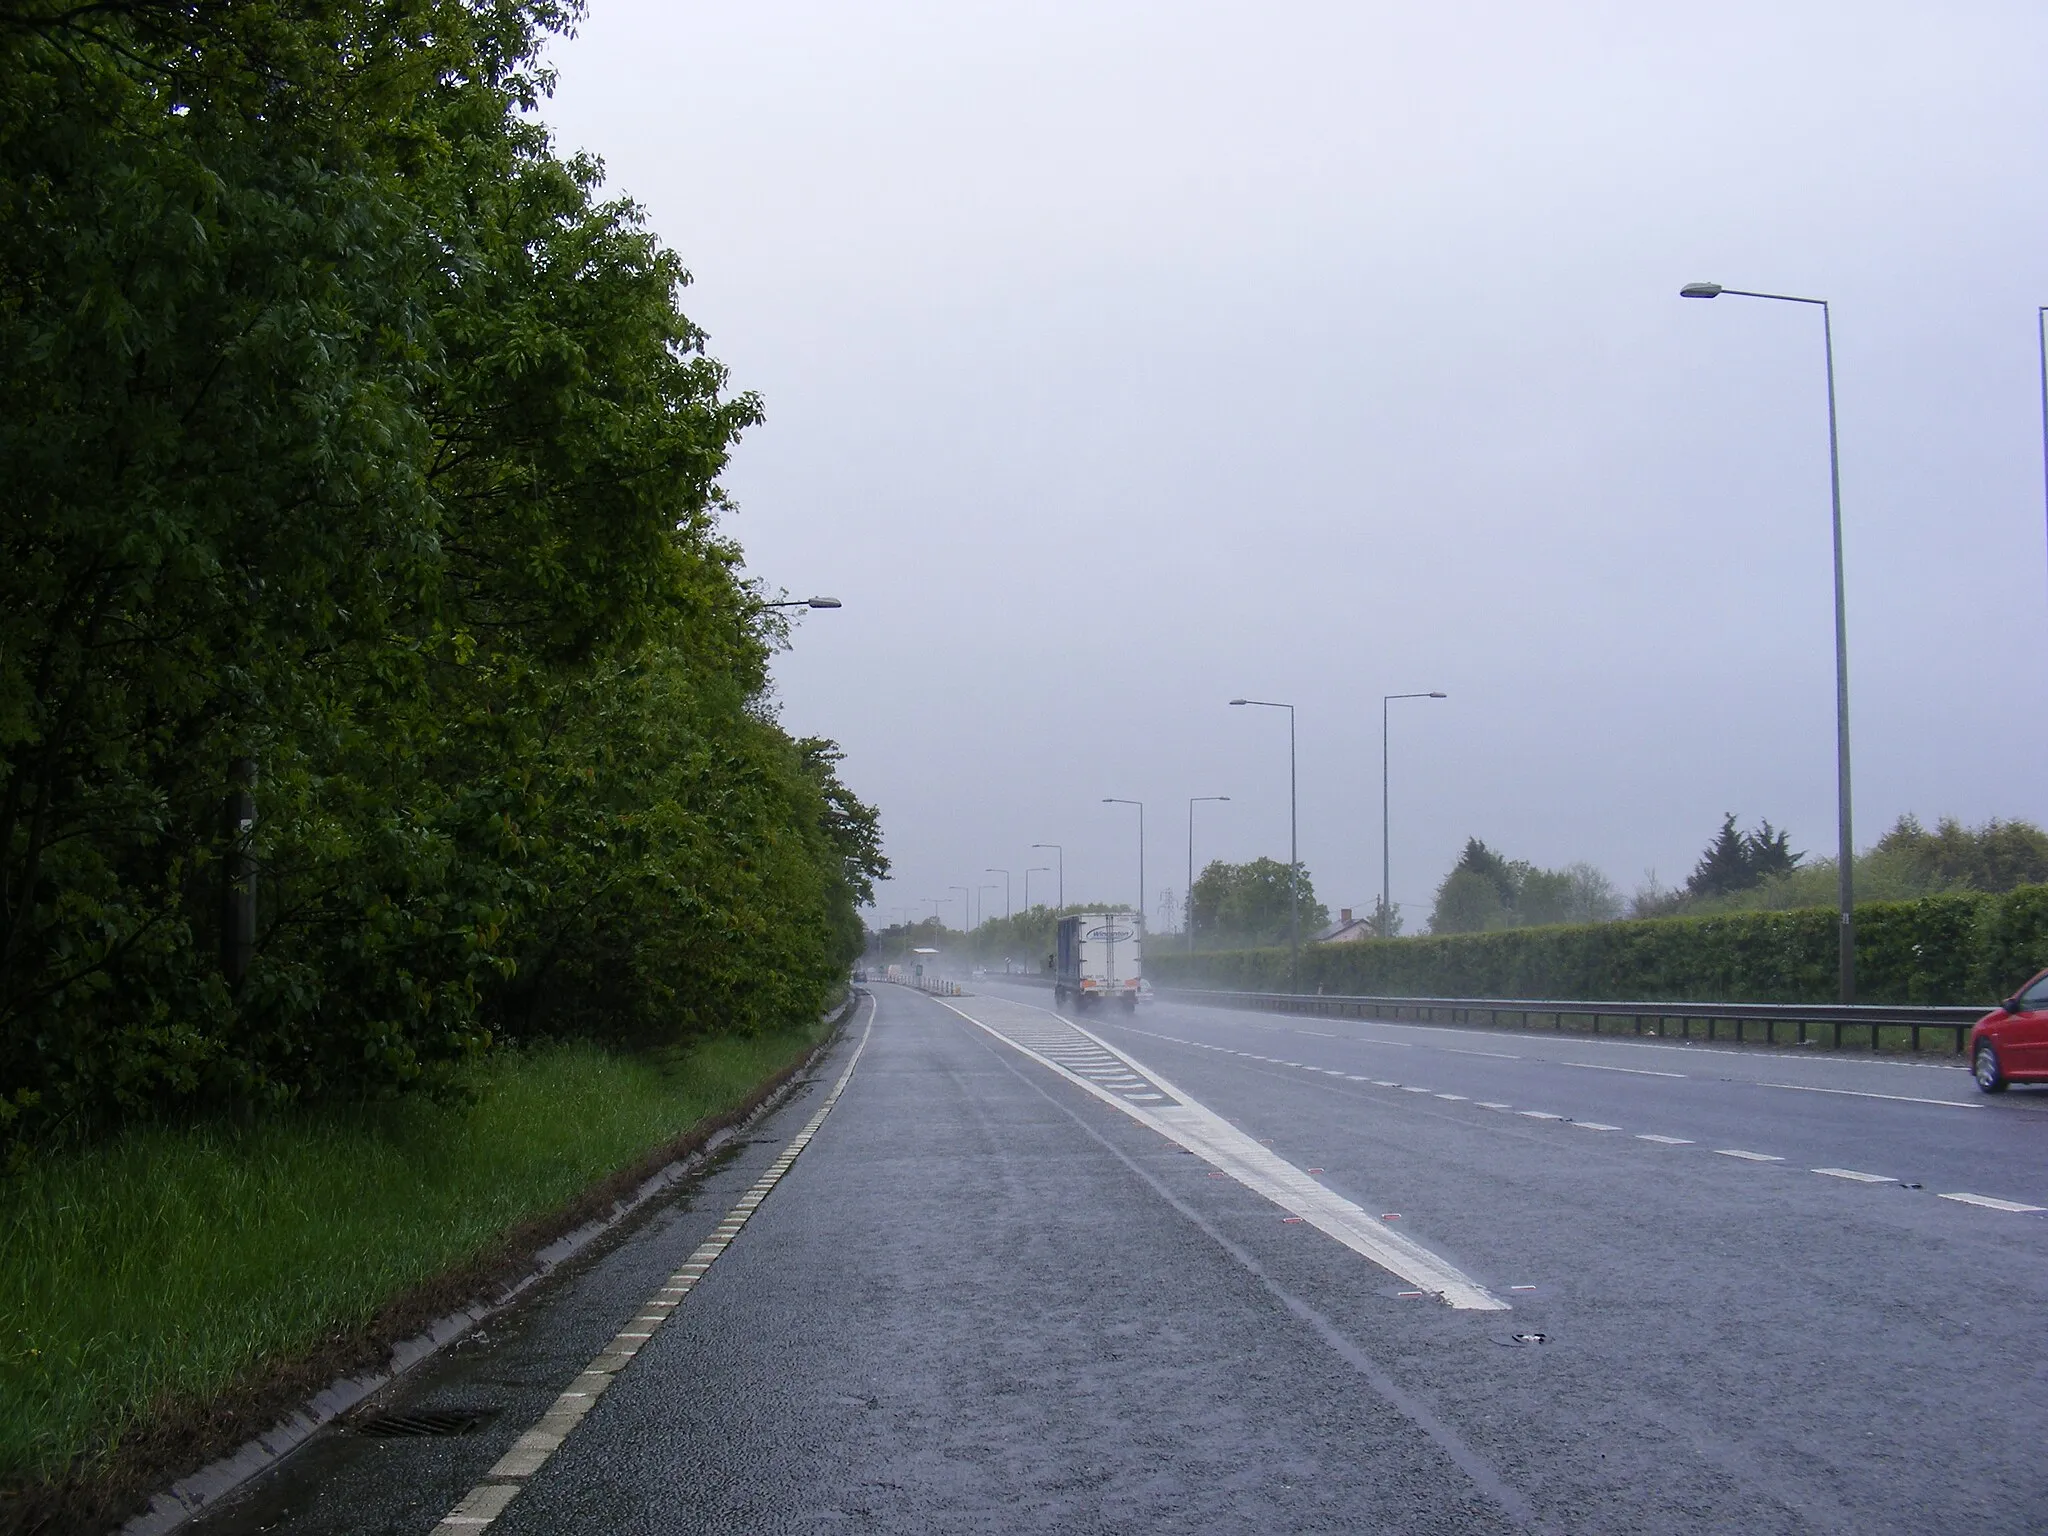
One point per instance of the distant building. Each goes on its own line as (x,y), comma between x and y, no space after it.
(1345,929)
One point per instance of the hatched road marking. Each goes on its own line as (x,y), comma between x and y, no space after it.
(1052,1040)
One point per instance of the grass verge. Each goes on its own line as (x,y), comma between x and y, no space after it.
(148,1280)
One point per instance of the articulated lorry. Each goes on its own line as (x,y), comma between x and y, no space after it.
(1100,956)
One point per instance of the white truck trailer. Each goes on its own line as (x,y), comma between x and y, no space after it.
(1100,956)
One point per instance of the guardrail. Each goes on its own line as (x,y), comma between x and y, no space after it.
(1802,1017)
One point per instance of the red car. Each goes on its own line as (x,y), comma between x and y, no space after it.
(2010,1044)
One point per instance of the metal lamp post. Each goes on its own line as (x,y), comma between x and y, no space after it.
(1189,915)
(2041,334)
(1006,888)
(1293,847)
(1036,869)
(1386,819)
(1845,846)
(1114,800)
(966,906)
(1056,848)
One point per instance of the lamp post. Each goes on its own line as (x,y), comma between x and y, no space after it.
(966,899)
(1293,847)
(1036,869)
(1188,914)
(1056,848)
(979,919)
(1006,888)
(1845,846)
(1386,922)
(2041,334)
(1114,800)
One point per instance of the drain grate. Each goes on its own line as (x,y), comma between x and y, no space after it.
(420,1421)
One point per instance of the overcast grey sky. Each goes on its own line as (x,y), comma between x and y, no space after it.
(1120,358)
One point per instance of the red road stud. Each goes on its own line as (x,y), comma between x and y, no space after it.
(1290,1218)
(1390,1215)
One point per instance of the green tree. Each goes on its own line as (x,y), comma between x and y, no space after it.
(1250,904)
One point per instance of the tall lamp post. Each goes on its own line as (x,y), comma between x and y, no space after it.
(1006,889)
(966,905)
(1036,869)
(1845,846)
(1188,914)
(1056,848)
(2041,334)
(1293,847)
(1386,922)
(1114,800)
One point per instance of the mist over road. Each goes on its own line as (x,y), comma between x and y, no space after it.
(1160,1273)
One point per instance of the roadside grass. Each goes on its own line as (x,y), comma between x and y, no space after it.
(166,1264)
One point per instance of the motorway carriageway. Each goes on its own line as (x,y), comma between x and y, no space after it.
(1207,1270)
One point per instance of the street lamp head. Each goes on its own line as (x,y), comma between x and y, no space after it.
(1700,291)
(823,602)
(1439,695)
(1240,701)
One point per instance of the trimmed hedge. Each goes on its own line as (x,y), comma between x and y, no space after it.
(1964,948)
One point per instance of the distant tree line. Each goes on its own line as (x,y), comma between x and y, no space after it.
(1232,906)
(363,551)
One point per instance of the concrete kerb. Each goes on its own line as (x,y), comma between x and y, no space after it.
(189,1496)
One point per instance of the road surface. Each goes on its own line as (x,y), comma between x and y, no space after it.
(1206,1270)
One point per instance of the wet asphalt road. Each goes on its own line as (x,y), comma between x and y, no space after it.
(992,1297)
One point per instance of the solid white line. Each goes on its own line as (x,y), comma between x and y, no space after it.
(1747,1157)
(1209,1136)
(1851,1173)
(1594,1066)
(1858,1093)
(1497,1055)
(1663,1141)
(1991,1204)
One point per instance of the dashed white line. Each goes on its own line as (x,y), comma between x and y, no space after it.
(1538,1114)
(1860,1178)
(1594,1125)
(1859,1093)
(1663,1141)
(1455,1098)
(1991,1204)
(1488,1104)
(1594,1066)
(1748,1157)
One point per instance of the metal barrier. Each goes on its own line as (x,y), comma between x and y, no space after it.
(1875,1017)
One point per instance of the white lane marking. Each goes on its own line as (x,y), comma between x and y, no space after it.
(1594,1125)
(1353,1077)
(1594,1066)
(1860,1178)
(1487,1104)
(1457,1051)
(487,1500)
(1455,1098)
(1381,1082)
(1747,1157)
(1209,1136)
(1858,1093)
(1991,1204)
(1663,1141)
(1538,1114)
(1405,1088)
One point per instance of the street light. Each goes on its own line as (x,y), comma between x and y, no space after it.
(1056,848)
(807,602)
(1036,869)
(1293,847)
(966,898)
(1188,916)
(1114,800)
(1845,847)
(2041,333)
(1006,888)
(978,918)
(1386,923)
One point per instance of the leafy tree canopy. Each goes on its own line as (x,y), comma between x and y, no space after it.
(1250,904)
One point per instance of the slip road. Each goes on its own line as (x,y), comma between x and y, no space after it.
(1204,1270)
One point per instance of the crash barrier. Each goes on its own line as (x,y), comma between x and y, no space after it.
(1951,1025)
